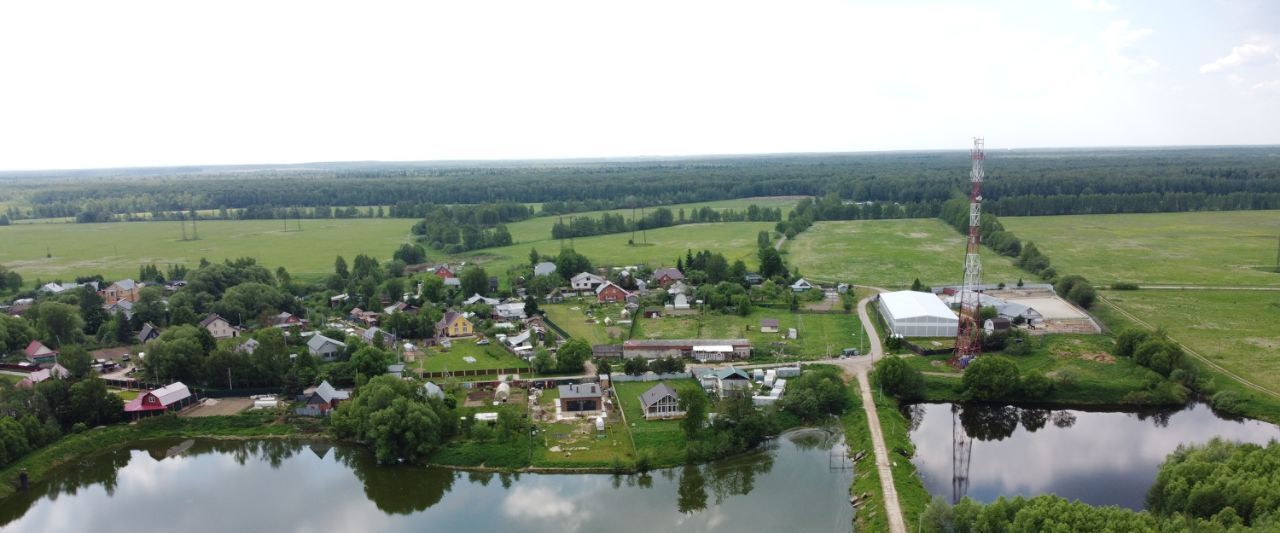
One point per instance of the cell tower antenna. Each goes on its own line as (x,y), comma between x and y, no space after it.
(969,330)
(961,452)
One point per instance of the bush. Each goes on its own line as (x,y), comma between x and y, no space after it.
(1036,386)
(1228,402)
(1124,286)
(991,378)
(899,379)
(1128,340)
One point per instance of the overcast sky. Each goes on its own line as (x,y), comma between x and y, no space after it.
(123,83)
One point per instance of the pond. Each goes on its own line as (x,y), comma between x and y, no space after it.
(194,486)
(1100,458)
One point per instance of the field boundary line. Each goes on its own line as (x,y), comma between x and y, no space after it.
(1194,353)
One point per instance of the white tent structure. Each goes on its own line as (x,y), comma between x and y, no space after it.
(917,314)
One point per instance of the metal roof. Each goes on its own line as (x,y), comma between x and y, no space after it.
(656,393)
(911,304)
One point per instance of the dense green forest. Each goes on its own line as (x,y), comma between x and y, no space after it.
(1023,182)
(585,226)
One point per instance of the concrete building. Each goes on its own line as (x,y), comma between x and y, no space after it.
(701,349)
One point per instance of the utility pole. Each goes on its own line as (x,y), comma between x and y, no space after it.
(195,233)
(633,225)
(182,219)
(1277,255)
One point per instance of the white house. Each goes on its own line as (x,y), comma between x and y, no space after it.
(917,314)
(324,347)
(586,281)
(801,285)
(513,310)
(219,327)
(477,299)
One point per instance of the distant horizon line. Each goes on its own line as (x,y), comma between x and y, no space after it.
(618,158)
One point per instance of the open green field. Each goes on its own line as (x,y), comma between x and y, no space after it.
(1216,248)
(487,357)
(890,253)
(117,249)
(662,439)
(1239,330)
(1081,366)
(736,240)
(819,335)
(571,316)
(539,228)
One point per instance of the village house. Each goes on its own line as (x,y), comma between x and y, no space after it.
(149,332)
(248,346)
(286,320)
(339,300)
(54,372)
(219,327)
(586,281)
(59,288)
(125,289)
(680,303)
(371,333)
(368,318)
(753,279)
(37,352)
(173,396)
(124,307)
(661,401)
(768,325)
(443,272)
(321,400)
(610,292)
(584,399)
(454,324)
(801,285)
(325,348)
(478,299)
(452,283)
(664,277)
(510,311)
(731,382)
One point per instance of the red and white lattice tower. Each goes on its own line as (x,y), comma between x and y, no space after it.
(969,330)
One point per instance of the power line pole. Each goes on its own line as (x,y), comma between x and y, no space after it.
(182,219)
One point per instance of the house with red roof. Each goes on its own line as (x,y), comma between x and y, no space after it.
(173,396)
(37,352)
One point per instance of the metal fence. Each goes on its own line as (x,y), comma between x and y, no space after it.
(648,376)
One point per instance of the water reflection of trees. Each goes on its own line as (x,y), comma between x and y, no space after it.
(986,422)
(96,470)
(397,489)
(725,479)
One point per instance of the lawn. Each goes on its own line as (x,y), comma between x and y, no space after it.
(573,319)
(818,334)
(662,439)
(125,395)
(539,228)
(1239,330)
(1081,365)
(890,253)
(1207,248)
(736,240)
(115,250)
(487,357)
(578,444)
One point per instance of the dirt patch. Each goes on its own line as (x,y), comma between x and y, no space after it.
(1099,357)
(1270,344)
(219,407)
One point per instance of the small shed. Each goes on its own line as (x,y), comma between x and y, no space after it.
(503,392)
(996,325)
(768,325)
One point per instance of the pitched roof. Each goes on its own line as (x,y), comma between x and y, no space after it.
(670,273)
(148,330)
(171,393)
(477,298)
(38,349)
(126,284)
(585,275)
(656,393)
(608,284)
(327,393)
(731,373)
(768,322)
(211,318)
(450,317)
(318,341)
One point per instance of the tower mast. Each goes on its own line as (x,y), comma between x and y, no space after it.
(969,331)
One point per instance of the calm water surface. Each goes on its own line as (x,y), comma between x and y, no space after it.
(1100,458)
(194,486)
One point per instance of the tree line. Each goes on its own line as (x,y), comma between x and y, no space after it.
(1045,182)
(662,217)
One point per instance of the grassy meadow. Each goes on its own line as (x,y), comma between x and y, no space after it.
(1215,248)
(818,334)
(539,228)
(891,253)
(487,357)
(117,249)
(736,240)
(1239,330)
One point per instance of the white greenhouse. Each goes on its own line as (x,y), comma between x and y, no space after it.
(917,314)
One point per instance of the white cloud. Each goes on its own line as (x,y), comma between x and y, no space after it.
(1269,85)
(1118,40)
(1251,52)
(1235,78)
(1093,5)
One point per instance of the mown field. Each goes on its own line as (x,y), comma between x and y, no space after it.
(487,357)
(1239,330)
(539,228)
(1217,248)
(819,335)
(736,240)
(891,253)
(663,440)
(117,249)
